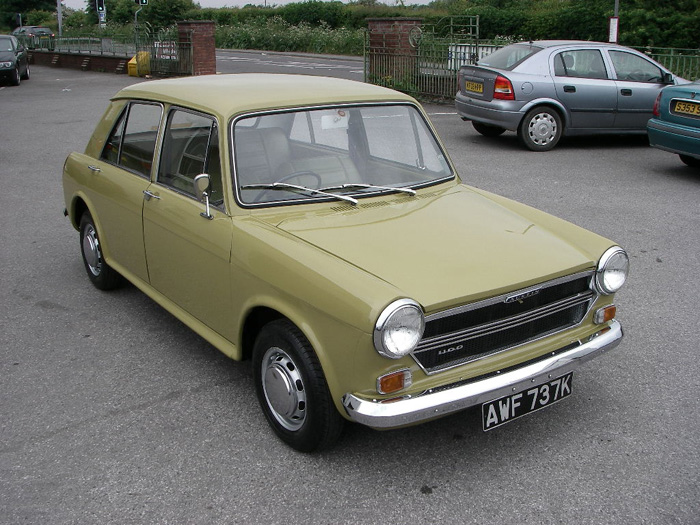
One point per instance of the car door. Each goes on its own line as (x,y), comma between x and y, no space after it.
(638,81)
(584,86)
(118,182)
(188,253)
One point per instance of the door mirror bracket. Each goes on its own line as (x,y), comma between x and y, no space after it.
(201,190)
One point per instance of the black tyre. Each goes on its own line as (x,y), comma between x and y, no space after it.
(15,80)
(690,161)
(541,129)
(292,389)
(99,272)
(488,131)
(26,73)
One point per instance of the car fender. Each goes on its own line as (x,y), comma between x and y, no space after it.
(563,112)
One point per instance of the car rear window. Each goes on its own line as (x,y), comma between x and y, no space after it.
(510,56)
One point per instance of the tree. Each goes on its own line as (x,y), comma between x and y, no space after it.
(10,8)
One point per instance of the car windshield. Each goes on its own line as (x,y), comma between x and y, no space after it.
(510,56)
(5,44)
(342,152)
(42,31)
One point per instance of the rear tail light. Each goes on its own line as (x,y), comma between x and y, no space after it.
(656,106)
(503,89)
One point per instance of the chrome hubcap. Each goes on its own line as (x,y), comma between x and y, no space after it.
(284,389)
(91,250)
(542,129)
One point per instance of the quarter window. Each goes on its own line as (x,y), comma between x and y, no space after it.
(585,63)
(635,68)
(191,147)
(133,140)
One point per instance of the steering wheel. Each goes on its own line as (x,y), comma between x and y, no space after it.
(638,75)
(294,175)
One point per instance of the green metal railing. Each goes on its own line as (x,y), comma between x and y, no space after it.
(159,54)
(682,62)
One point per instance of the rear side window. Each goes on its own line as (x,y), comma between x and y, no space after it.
(510,56)
(133,139)
(583,63)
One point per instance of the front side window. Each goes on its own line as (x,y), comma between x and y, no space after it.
(634,68)
(190,147)
(344,150)
(133,139)
(584,63)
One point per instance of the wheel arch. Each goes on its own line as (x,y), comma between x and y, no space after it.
(551,103)
(253,324)
(78,206)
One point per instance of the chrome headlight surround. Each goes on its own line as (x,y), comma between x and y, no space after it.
(399,329)
(612,270)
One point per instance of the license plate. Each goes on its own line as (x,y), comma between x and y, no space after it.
(501,411)
(686,108)
(474,87)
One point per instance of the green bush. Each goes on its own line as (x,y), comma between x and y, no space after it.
(275,34)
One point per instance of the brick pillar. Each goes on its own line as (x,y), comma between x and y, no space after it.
(200,33)
(392,57)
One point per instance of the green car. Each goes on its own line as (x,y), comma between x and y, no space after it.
(317,227)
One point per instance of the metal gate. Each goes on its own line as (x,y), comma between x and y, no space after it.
(422,60)
(165,53)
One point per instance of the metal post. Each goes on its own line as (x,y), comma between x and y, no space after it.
(59,16)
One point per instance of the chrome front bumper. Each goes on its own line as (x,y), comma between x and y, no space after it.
(451,398)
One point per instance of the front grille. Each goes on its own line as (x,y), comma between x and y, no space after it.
(475,331)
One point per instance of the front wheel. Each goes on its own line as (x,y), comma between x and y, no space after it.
(99,272)
(292,389)
(487,130)
(541,129)
(690,161)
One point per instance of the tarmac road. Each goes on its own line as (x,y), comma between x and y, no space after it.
(112,411)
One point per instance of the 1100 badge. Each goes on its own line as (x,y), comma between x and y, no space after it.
(500,411)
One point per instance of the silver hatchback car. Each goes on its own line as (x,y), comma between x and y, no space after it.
(546,89)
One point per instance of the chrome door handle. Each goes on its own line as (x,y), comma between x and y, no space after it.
(149,195)
(94,168)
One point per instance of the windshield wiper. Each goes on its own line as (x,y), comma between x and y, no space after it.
(361,185)
(293,187)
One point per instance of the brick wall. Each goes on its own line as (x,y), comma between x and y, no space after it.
(201,34)
(108,64)
(391,55)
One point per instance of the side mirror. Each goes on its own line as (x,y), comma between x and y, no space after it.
(201,191)
(667,78)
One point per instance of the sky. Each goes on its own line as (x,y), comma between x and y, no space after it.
(80,4)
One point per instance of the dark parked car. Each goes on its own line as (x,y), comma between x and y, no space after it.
(35,37)
(676,123)
(14,65)
(546,89)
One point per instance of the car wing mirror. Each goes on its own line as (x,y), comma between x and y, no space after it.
(667,78)
(201,191)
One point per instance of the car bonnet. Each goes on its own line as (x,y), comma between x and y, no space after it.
(443,246)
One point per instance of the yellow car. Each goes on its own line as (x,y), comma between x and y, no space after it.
(318,227)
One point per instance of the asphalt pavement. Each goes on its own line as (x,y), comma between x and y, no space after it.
(112,411)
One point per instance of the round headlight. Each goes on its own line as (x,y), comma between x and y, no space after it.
(399,329)
(612,271)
